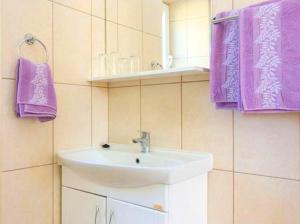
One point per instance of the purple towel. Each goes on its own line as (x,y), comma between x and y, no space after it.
(225,91)
(270,57)
(268,75)
(35,95)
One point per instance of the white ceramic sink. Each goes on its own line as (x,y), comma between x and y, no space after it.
(123,166)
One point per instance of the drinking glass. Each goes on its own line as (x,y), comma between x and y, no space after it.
(134,62)
(113,63)
(101,64)
(123,65)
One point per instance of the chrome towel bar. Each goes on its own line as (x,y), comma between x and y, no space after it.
(220,20)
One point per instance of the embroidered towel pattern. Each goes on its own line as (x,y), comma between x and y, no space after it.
(268,41)
(231,85)
(40,83)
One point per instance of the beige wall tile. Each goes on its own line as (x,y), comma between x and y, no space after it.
(197,77)
(161,114)
(1,193)
(152,16)
(13,32)
(84,6)
(72,127)
(111,37)
(178,39)
(21,148)
(72,48)
(112,10)
(178,10)
(131,43)
(220,197)
(27,196)
(152,50)
(99,116)
(98,43)
(130,13)
(221,5)
(264,200)
(100,84)
(244,3)
(197,9)
(198,36)
(272,149)
(98,8)
(124,114)
(124,83)
(56,194)
(165,80)
(204,128)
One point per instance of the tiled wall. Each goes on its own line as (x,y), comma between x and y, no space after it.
(30,176)
(74,31)
(256,176)
(257,157)
(190,32)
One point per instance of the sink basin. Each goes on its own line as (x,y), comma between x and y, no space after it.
(124,167)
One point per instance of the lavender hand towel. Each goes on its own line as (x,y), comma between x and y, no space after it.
(270,57)
(35,95)
(225,91)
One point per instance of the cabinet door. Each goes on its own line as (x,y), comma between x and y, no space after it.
(82,208)
(124,213)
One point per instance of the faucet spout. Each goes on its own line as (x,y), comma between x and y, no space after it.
(144,140)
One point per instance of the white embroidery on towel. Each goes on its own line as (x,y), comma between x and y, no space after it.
(269,61)
(40,82)
(232,60)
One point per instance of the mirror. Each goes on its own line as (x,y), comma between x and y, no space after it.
(186,33)
(143,35)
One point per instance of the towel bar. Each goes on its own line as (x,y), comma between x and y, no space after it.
(29,39)
(216,21)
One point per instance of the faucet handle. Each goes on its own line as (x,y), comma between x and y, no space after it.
(145,134)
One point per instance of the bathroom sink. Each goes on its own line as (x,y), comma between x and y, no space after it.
(124,167)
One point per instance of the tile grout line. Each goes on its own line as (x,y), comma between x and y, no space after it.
(266,176)
(70,7)
(233,165)
(142,64)
(256,175)
(140,89)
(181,115)
(107,91)
(91,74)
(299,140)
(156,84)
(27,168)
(53,125)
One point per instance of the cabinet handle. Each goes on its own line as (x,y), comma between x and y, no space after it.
(112,213)
(97,214)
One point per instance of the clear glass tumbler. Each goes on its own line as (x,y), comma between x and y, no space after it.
(134,62)
(113,63)
(123,65)
(101,65)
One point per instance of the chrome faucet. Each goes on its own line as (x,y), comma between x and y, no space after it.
(144,140)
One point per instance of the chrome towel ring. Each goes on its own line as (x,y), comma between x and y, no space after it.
(29,39)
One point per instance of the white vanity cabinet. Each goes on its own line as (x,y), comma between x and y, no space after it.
(184,202)
(85,208)
(119,212)
(82,208)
